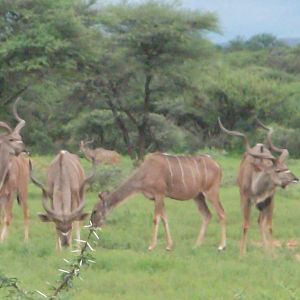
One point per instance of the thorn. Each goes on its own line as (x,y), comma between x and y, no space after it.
(64,271)
(91,261)
(90,246)
(42,294)
(67,261)
(75,251)
(96,235)
(80,241)
(90,225)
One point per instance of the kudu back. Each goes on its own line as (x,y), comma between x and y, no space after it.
(65,190)
(99,155)
(259,174)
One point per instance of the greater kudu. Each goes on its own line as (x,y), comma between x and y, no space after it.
(14,174)
(65,188)
(100,155)
(177,177)
(258,176)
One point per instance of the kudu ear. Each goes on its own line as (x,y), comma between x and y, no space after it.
(44,218)
(260,165)
(103,195)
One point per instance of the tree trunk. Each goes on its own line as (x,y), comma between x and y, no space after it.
(121,124)
(142,129)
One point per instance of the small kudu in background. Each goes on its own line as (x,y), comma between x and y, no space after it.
(100,155)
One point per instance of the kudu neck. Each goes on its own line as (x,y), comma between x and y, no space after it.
(4,162)
(121,193)
(89,153)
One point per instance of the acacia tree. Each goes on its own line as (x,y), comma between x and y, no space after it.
(47,46)
(157,45)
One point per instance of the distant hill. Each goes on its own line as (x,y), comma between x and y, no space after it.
(291,41)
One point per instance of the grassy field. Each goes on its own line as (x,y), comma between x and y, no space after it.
(126,270)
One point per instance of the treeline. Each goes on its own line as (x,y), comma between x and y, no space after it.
(139,78)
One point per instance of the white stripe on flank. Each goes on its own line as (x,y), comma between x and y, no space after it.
(181,169)
(197,167)
(205,171)
(170,169)
(193,174)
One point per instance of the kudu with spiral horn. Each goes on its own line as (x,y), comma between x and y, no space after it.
(14,173)
(99,155)
(65,188)
(259,174)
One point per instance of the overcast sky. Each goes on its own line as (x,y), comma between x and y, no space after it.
(248,17)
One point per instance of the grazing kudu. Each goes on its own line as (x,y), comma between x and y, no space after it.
(100,155)
(177,177)
(65,188)
(14,174)
(258,176)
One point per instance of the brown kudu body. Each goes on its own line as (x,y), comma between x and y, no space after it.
(65,188)
(100,155)
(260,173)
(14,175)
(177,177)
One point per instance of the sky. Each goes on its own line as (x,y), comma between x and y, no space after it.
(248,17)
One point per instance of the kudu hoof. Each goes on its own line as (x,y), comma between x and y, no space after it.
(221,248)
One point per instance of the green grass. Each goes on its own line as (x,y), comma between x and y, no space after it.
(126,270)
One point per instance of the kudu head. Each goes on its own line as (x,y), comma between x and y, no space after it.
(279,172)
(83,145)
(272,170)
(100,210)
(63,222)
(11,141)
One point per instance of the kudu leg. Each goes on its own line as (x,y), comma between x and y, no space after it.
(214,197)
(24,205)
(159,213)
(7,218)
(203,209)
(58,243)
(167,230)
(269,216)
(265,224)
(77,228)
(263,229)
(246,208)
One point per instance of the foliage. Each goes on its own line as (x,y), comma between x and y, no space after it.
(84,258)
(138,77)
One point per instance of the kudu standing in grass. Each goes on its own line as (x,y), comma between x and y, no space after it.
(65,188)
(100,155)
(258,176)
(14,174)
(176,177)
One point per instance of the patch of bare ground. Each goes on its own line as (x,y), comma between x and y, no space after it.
(290,244)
